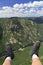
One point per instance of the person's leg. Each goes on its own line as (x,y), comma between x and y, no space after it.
(7,61)
(9,55)
(35,60)
(34,53)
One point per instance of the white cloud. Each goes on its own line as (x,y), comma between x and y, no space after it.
(23,10)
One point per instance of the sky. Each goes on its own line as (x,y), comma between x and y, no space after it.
(21,8)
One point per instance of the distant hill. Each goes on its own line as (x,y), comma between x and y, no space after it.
(37,19)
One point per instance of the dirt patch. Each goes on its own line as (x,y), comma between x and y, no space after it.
(20,49)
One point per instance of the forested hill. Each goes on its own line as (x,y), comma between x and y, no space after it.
(37,19)
(19,30)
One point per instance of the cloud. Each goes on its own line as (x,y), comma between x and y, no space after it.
(23,10)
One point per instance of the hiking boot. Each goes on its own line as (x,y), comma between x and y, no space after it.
(36,47)
(9,52)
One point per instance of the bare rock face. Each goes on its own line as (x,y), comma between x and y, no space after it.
(13,40)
